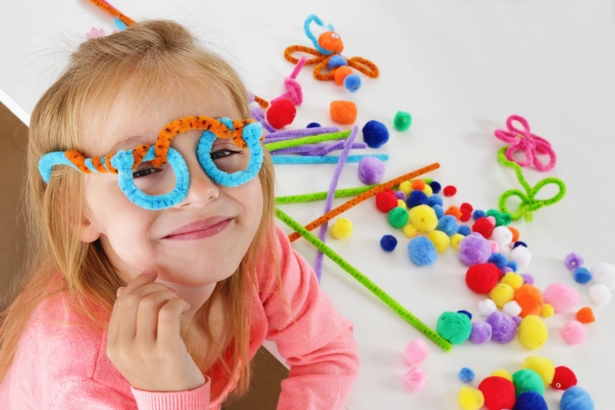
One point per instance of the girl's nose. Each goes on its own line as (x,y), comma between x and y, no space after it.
(202,188)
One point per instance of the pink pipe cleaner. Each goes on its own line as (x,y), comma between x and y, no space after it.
(293,88)
(530,144)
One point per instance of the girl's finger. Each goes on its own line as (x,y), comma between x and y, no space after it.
(129,308)
(147,318)
(149,275)
(168,321)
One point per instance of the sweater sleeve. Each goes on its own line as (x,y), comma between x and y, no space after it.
(79,394)
(316,341)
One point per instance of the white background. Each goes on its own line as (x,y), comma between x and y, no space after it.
(460,68)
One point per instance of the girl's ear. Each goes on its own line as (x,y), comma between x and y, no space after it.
(87,229)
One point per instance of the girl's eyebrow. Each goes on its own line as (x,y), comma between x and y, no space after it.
(132,142)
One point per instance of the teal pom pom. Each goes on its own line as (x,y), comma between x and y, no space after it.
(454,327)
(402,121)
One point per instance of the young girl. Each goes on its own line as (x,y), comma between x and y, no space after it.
(157,270)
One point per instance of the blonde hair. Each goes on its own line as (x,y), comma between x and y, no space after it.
(158,52)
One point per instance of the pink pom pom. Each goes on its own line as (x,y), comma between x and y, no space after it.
(562,297)
(416,379)
(573,332)
(416,352)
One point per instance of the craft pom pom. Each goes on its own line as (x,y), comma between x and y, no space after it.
(454,327)
(422,251)
(281,113)
(375,134)
(341,229)
(402,121)
(416,379)
(416,352)
(371,170)
(343,112)
(388,243)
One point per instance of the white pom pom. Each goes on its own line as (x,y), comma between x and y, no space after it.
(604,273)
(600,294)
(487,307)
(522,256)
(512,308)
(502,235)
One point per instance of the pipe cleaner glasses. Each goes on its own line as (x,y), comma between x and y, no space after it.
(156,177)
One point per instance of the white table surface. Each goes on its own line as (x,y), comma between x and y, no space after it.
(461,68)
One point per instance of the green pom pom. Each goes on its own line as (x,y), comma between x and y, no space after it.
(506,218)
(454,327)
(398,217)
(402,121)
(526,380)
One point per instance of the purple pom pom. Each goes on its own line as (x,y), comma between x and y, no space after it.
(474,249)
(371,170)
(481,333)
(503,327)
(573,260)
(527,278)
(401,195)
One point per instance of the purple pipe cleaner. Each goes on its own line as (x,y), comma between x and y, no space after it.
(259,115)
(338,145)
(302,132)
(331,195)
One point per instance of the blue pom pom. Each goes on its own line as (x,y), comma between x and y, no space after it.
(519,243)
(435,186)
(530,400)
(417,198)
(466,375)
(512,265)
(375,134)
(435,200)
(352,82)
(465,312)
(447,224)
(422,251)
(464,230)
(582,275)
(313,125)
(336,61)
(575,398)
(498,260)
(388,243)
(438,210)
(477,214)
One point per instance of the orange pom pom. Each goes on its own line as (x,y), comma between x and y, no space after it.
(515,233)
(343,112)
(586,315)
(418,185)
(341,73)
(331,41)
(453,210)
(530,299)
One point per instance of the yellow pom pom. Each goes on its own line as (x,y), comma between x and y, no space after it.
(541,365)
(342,228)
(440,240)
(470,398)
(401,203)
(533,333)
(409,230)
(547,310)
(503,373)
(424,218)
(455,239)
(428,190)
(406,187)
(501,294)
(513,279)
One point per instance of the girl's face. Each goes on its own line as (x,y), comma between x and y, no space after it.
(218,222)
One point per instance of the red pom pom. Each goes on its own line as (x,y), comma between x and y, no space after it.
(281,113)
(450,190)
(466,215)
(483,277)
(385,201)
(483,226)
(467,206)
(563,378)
(499,393)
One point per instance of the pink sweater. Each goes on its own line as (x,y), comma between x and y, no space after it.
(61,367)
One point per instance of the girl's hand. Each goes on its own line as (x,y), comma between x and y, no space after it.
(144,341)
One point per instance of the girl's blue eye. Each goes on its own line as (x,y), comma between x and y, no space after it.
(143,172)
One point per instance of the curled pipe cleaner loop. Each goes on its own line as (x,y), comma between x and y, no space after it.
(293,88)
(306,26)
(530,144)
(529,203)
